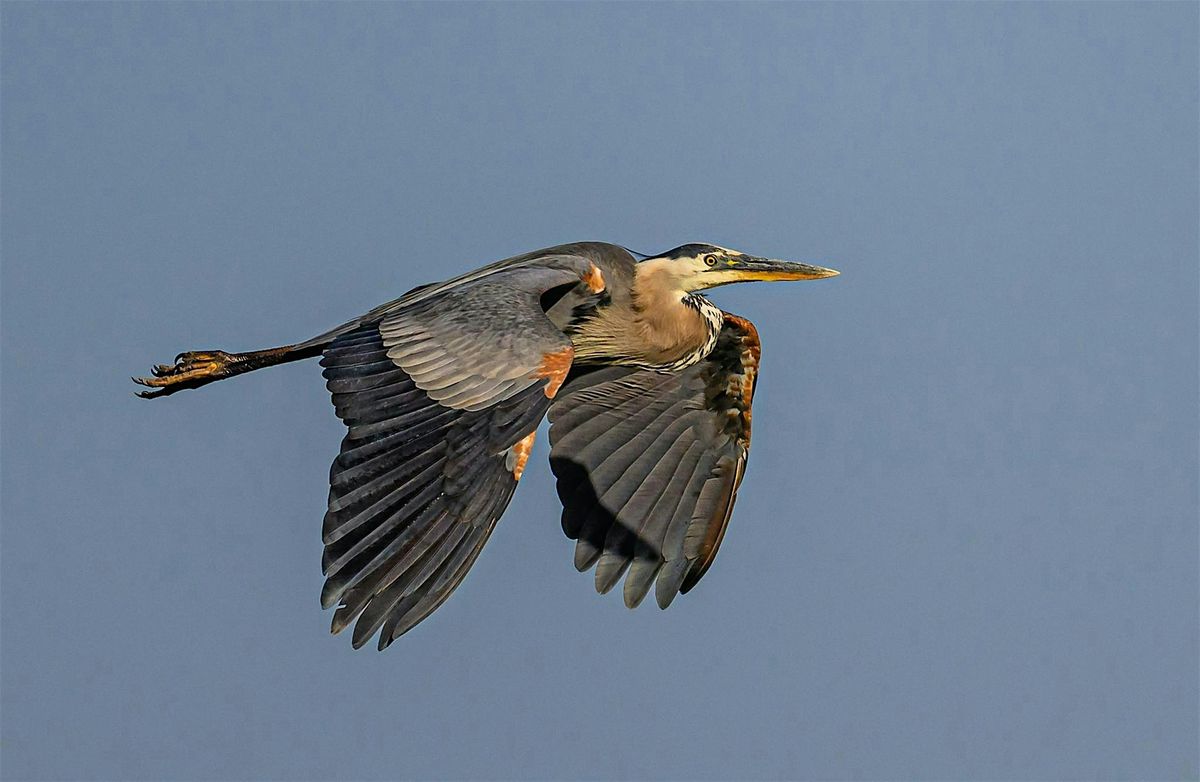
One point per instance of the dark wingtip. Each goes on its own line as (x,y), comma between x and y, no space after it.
(342,618)
(664,598)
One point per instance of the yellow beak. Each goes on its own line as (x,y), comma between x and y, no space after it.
(766,269)
(747,268)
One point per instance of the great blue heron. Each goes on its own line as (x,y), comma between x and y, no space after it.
(647,384)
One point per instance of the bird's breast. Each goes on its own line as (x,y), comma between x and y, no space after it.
(669,335)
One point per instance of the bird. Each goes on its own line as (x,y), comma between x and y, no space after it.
(646,383)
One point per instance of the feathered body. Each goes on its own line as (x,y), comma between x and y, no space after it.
(648,388)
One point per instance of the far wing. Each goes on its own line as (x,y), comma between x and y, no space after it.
(441,402)
(648,464)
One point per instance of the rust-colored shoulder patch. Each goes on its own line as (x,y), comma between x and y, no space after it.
(520,454)
(554,367)
(741,385)
(594,279)
(750,342)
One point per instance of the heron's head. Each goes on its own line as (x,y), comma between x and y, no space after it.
(695,267)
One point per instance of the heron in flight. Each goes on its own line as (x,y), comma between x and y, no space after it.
(647,385)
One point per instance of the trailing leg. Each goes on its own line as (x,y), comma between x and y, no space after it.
(197,368)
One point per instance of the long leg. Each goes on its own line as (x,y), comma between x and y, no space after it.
(197,368)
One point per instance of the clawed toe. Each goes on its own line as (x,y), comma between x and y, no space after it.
(190,370)
(152,394)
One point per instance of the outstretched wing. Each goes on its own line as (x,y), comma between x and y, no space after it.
(648,464)
(441,401)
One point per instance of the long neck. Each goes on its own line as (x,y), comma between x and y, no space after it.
(659,326)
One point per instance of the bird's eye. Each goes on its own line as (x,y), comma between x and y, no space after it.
(710,260)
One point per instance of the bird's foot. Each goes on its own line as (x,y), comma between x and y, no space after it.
(190,370)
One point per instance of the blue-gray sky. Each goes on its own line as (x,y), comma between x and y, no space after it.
(966,546)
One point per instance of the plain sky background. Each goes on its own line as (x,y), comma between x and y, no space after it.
(966,546)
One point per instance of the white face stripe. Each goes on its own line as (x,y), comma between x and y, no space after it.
(691,273)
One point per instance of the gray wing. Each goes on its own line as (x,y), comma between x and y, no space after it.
(441,402)
(648,464)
